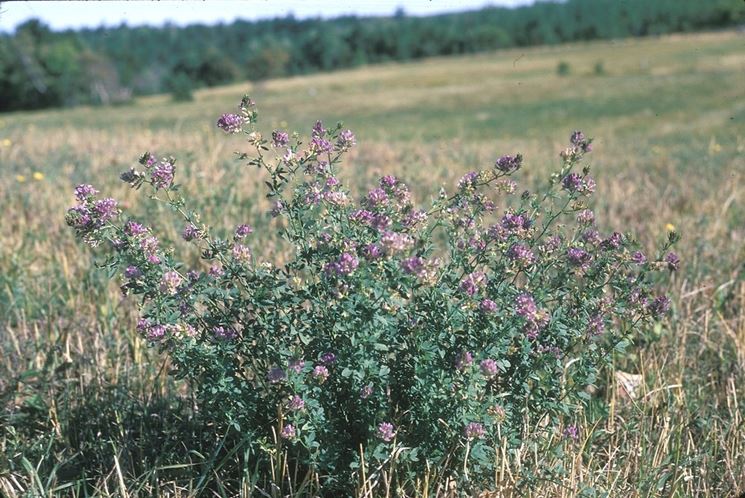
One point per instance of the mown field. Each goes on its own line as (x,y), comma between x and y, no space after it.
(86,408)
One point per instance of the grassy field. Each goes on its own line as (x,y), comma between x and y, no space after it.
(82,397)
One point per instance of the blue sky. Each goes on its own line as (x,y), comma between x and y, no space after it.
(62,15)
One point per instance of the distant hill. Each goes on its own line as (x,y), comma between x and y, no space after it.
(41,68)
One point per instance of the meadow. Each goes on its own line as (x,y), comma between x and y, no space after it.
(87,409)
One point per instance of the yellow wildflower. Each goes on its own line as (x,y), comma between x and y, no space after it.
(20,178)
(38,175)
(7,142)
(670,227)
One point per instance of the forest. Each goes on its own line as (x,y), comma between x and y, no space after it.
(41,68)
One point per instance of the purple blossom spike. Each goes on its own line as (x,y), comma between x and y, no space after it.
(288,432)
(578,257)
(170,282)
(132,273)
(487,306)
(296,403)
(162,175)
(638,258)
(521,254)
(474,430)
(386,431)
(320,373)
(83,192)
(190,232)
(230,123)
(242,231)
(346,140)
(571,432)
(472,283)
(509,164)
(280,138)
(673,261)
(489,368)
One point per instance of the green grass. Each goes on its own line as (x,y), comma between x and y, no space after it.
(86,409)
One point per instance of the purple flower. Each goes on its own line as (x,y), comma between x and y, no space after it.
(521,254)
(578,257)
(296,403)
(525,306)
(215,271)
(162,175)
(515,223)
(579,140)
(509,164)
(320,373)
(328,358)
(673,261)
(381,222)
(344,265)
(346,140)
(413,265)
(280,138)
(572,182)
(612,242)
(170,282)
(552,244)
(639,258)
(230,123)
(133,229)
(591,237)
(388,181)
(659,306)
(105,209)
(376,197)
(489,368)
(224,333)
(241,253)
(586,217)
(571,432)
(386,431)
(473,282)
(243,230)
(468,180)
(318,145)
(276,375)
(474,430)
(463,360)
(318,130)
(148,159)
(596,325)
(132,273)
(372,251)
(415,217)
(152,332)
(393,242)
(288,432)
(488,306)
(190,232)
(362,216)
(149,246)
(577,137)
(83,192)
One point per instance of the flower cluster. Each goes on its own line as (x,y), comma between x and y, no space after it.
(420,332)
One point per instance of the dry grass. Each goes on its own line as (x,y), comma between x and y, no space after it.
(669,117)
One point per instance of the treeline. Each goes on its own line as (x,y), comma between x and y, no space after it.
(42,68)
